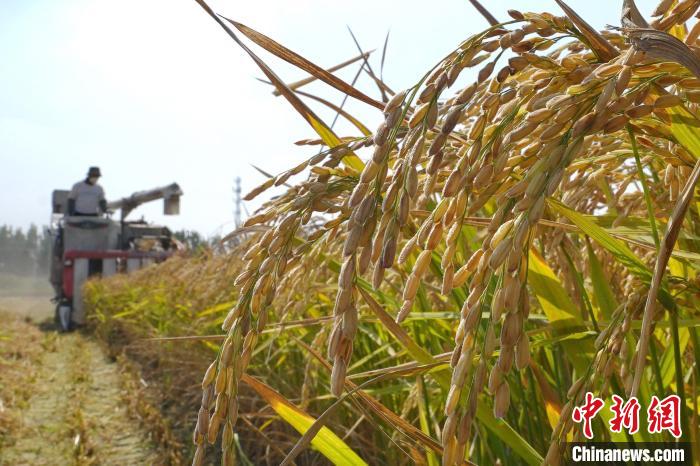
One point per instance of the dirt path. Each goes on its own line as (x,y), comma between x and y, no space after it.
(34,307)
(67,406)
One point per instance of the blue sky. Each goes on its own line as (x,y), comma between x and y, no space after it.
(153,91)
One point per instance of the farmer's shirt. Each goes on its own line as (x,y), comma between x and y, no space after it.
(87,197)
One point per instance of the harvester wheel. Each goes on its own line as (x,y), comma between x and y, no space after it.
(63,317)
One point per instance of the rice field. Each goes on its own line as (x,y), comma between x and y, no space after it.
(447,288)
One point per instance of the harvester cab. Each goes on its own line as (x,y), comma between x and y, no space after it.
(85,246)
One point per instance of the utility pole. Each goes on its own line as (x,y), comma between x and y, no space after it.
(237,202)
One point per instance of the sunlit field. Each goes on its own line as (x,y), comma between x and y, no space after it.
(521,229)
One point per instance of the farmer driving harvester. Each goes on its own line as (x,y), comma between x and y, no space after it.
(87,198)
(88,243)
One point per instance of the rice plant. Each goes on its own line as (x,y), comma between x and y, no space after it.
(473,267)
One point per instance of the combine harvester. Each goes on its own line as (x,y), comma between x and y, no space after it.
(84,246)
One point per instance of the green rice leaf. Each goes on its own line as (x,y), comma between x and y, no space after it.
(563,314)
(554,300)
(603,295)
(618,248)
(685,129)
(326,441)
